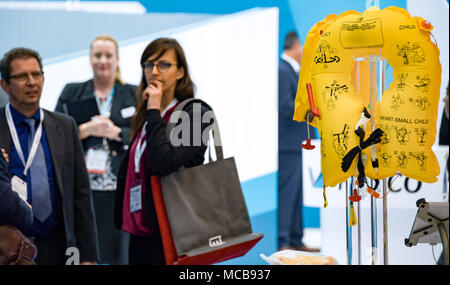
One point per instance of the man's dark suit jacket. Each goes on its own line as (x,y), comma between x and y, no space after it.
(124,97)
(163,159)
(72,182)
(13,210)
(4,98)
(290,133)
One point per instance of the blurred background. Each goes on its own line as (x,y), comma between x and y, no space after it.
(233,49)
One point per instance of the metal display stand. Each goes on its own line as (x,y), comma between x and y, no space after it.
(348,228)
(430,226)
(377,79)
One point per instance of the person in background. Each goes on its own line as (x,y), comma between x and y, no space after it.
(46,159)
(13,210)
(165,83)
(290,136)
(105,138)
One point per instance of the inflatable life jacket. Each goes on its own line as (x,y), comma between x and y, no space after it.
(405,117)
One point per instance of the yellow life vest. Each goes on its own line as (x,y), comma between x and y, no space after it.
(407,111)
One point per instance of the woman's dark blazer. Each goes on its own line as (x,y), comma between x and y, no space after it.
(124,97)
(164,158)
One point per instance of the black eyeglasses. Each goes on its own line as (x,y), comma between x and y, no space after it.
(23,77)
(162,66)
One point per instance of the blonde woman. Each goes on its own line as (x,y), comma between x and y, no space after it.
(105,138)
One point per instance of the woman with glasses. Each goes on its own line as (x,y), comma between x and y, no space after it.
(105,137)
(165,83)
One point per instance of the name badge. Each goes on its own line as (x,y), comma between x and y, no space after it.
(135,199)
(128,112)
(96,161)
(20,187)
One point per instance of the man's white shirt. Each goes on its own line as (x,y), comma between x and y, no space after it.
(295,65)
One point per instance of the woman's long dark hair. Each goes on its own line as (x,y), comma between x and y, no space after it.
(183,90)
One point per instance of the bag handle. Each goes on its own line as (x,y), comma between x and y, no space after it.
(20,253)
(176,115)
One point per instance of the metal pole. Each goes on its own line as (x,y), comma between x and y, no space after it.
(373,215)
(347,227)
(382,84)
(385,224)
(358,223)
(359,232)
(373,204)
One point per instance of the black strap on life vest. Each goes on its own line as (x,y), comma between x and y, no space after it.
(374,138)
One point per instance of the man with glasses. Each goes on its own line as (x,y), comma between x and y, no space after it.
(46,163)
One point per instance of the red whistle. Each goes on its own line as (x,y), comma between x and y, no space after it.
(355,197)
(308,145)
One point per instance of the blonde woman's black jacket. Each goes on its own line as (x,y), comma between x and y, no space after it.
(124,97)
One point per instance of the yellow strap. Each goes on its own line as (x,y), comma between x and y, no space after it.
(353,220)
(325,202)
